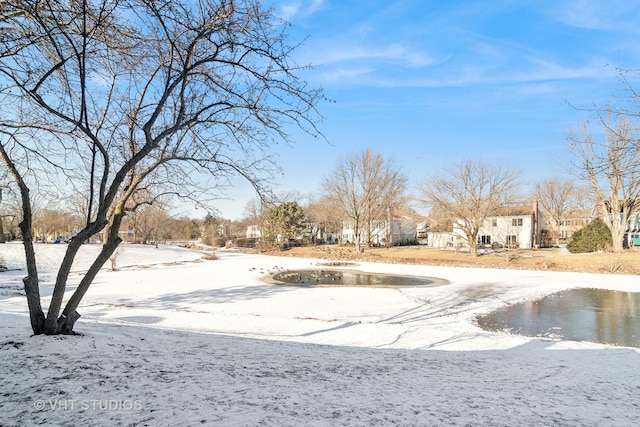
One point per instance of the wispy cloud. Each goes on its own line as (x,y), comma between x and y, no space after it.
(473,59)
(612,15)
(299,8)
(392,53)
(460,74)
(342,74)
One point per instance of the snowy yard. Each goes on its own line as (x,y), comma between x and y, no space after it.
(173,340)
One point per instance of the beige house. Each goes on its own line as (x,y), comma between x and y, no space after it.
(569,225)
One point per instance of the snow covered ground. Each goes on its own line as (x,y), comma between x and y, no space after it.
(170,339)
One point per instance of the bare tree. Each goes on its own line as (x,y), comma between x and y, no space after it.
(364,187)
(559,200)
(181,229)
(118,95)
(2,239)
(10,211)
(253,212)
(150,223)
(612,168)
(439,220)
(321,218)
(50,223)
(471,192)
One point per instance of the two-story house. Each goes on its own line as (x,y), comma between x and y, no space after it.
(513,228)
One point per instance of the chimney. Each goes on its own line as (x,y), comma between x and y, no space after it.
(536,232)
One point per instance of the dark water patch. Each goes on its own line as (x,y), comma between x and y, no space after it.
(595,315)
(322,277)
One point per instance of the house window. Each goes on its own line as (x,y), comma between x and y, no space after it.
(566,234)
(494,222)
(512,240)
(484,240)
(516,222)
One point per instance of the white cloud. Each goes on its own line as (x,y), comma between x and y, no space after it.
(299,8)
(286,11)
(612,15)
(393,53)
(344,74)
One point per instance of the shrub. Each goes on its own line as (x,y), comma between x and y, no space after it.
(594,237)
(219,242)
(245,242)
(215,241)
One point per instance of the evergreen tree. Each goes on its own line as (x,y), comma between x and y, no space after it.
(284,221)
(594,237)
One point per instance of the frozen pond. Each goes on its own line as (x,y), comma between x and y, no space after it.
(325,277)
(596,315)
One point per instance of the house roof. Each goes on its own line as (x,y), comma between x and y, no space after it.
(513,211)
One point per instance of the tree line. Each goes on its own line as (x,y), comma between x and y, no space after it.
(364,187)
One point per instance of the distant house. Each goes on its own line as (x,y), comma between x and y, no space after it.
(254,232)
(224,230)
(569,225)
(632,236)
(442,239)
(315,232)
(514,228)
(397,231)
(581,219)
(127,231)
(632,230)
(422,231)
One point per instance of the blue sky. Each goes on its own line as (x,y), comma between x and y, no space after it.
(430,83)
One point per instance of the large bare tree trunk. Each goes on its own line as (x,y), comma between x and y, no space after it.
(31,282)
(616,221)
(70,315)
(1,225)
(51,323)
(473,246)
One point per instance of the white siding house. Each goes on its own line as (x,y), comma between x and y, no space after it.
(634,224)
(518,230)
(254,232)
(401,232)
(632,236)
(513,231)
(442,239)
